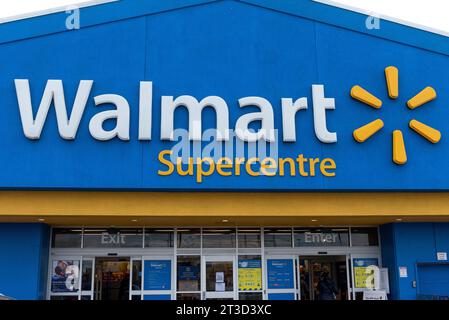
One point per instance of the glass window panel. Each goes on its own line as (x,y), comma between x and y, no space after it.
(249,238)
(364,236)
(86,280)
(250,273)
(113,238)
(136,275)
(278,237)
(188,296)
(65,276)
(219,276)
(189,273)
(159,238)
(86,298)
(66,238)
(218,238)
(136,297)
(189,238)
(250,296)
(321,237)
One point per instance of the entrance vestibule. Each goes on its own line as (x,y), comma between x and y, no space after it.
(211,263)
(325,273)
(112,276)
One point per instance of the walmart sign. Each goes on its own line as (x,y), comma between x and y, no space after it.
(237,105)
(68,126)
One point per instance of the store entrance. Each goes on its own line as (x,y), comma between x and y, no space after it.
(112,279)
(323,278)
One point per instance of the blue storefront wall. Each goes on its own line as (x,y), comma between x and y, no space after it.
(414,247)
(24,249)
(230,49)
(233,49)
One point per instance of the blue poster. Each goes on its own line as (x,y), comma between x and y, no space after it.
(188,272)
(365,262)
(157,297)
(250,264)
(157,275)
(280,274)
(281,296)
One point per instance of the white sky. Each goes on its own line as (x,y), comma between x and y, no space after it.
(432,14)
(10,8)
(428,14)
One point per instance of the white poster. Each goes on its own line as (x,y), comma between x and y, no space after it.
(403,272)
(219,277)
(441,256)
(384,280)
(220,287)
(374,295)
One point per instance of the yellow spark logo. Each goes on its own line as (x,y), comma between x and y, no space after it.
(392,78)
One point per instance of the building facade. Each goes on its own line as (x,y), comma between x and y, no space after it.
(199,149)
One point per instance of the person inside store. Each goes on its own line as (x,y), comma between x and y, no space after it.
(305,293)
(327,290)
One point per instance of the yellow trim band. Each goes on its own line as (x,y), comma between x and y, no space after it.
(83,203)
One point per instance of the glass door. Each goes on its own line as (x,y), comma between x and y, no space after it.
(135,283)
(111,278)
(219,274)
(87,278)
(281,278)
(323,278)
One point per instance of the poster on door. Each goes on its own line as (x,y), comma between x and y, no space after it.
(157,275)
(280,274)
(188,277)
(365,272)
(65,276)
(250,275)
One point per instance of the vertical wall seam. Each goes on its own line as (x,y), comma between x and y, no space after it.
(396,263)
(42,269)
(145,61)
(434,228)
(317,74)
